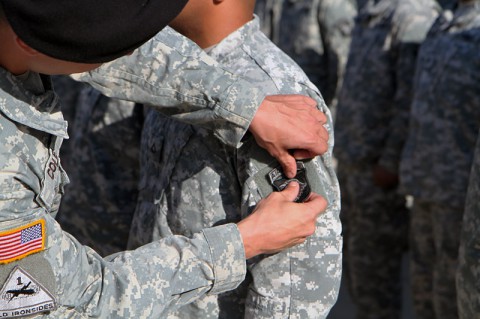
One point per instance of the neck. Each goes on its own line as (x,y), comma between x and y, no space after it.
(206,38)
(210,24)
(11,58)
(12,65)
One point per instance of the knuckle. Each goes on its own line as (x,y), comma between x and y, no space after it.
(301,240)
(311,229)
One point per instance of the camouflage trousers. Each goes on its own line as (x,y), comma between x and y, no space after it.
(468,272)
(375,237)
(434,243)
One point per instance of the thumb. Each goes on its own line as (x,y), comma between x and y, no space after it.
(291,191)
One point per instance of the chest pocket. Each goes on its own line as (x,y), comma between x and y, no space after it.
(54,178)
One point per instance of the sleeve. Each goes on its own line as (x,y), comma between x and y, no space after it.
(304,279)
(75,281)
(182,81)
(148,281)
(144,283)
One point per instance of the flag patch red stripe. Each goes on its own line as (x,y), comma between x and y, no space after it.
(23,241)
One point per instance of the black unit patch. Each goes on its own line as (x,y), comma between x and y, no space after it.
(279,181)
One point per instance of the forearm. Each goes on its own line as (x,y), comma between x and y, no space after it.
(304,280)
(147,281)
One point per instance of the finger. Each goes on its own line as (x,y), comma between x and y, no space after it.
(310,101)
(310,151)
(289,98)
(304,100)
(312,196)
(303,154)
(316,146)
(318,115)
(295,101)
(291,191)
(300,240)
(318,142)
(323,117)
(316,203)
(289,164)
(323,133)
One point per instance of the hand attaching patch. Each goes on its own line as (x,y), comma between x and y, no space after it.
(279,181)
(20,242)
(22,295)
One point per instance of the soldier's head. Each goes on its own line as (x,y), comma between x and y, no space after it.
(69,36)
(207,22)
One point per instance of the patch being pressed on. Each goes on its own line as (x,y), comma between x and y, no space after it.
(279,180)
(21,295)
(22,241)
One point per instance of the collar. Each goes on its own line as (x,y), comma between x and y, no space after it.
(38,111)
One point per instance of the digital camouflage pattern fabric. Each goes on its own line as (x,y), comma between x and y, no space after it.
(98,206)
(370,129)
(185,167)
(315,33)
(444,124)
(147,281)
(468,274)
(197,90)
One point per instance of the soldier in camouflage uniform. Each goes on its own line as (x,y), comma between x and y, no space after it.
(45,271)
(97,208)
(371,124)
(468,273)
(316,34)
(436,161)
(183,167)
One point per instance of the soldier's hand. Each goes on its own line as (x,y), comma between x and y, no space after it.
(289,127)
(278,223)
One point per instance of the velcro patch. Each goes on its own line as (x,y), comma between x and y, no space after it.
(22,295)
(20,242)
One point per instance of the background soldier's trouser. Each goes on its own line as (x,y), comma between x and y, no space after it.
(342,180)
(468,271)
(377,223)
(435,239)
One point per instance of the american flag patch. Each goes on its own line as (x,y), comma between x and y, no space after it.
(23,241)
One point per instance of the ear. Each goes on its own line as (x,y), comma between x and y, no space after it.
(25,47)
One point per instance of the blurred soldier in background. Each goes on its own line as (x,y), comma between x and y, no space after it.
(437,158)
(314,33)
(371,125)
(468,274)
